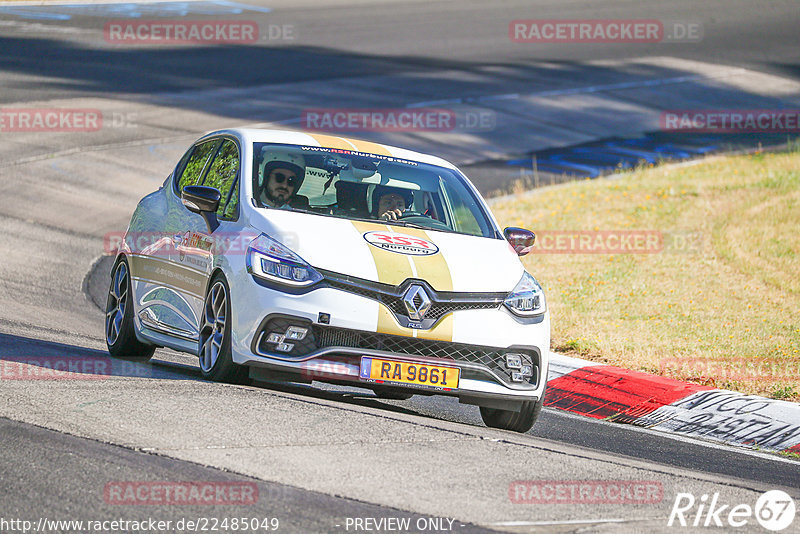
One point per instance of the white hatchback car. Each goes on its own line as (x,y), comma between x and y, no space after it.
(300,257)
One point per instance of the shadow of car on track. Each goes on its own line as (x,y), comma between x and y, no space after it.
(23,358)
(343,394)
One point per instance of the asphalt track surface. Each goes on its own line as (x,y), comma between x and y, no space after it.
(319,455)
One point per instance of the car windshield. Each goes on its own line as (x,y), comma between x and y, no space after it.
(357,185)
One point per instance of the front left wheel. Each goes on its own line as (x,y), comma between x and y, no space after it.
(120,336)
(214,344)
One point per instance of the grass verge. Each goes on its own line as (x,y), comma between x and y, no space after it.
(712,296)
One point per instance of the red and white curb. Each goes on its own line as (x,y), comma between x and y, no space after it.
(669,405)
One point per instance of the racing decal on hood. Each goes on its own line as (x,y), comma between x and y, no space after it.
(401,243)
(432,268)
(394,269)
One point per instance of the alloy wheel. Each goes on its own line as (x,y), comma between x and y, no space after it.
(117,302)
(212,334)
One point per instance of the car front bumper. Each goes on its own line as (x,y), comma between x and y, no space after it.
(346,326)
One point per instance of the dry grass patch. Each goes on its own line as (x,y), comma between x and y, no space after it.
(718,305)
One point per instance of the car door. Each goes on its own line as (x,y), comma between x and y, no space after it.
(170,293)
(195,250)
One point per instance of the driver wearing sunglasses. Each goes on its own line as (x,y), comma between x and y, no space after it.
(281,177)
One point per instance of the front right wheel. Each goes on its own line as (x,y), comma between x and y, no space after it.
(520,421)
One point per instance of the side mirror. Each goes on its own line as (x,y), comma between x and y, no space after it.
(203,201)
(521,240)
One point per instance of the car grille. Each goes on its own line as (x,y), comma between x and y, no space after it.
(437,309)
(491,357)
(441,303)
(325,337)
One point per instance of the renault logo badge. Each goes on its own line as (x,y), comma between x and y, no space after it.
(417,303)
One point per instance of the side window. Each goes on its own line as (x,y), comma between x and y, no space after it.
(193,169)
(466,214)
(222,175)
(232,207)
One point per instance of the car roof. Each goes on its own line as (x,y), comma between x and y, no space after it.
(291,137)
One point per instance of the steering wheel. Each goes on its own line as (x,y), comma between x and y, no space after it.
(411,213)
(406,214)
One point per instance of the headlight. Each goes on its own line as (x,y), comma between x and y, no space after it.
(269,259)
(527,298)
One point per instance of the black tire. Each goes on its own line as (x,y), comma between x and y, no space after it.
(220,368)
(120,336)
(520,421)
(391,393)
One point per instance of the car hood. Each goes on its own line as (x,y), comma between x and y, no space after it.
(392,254)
